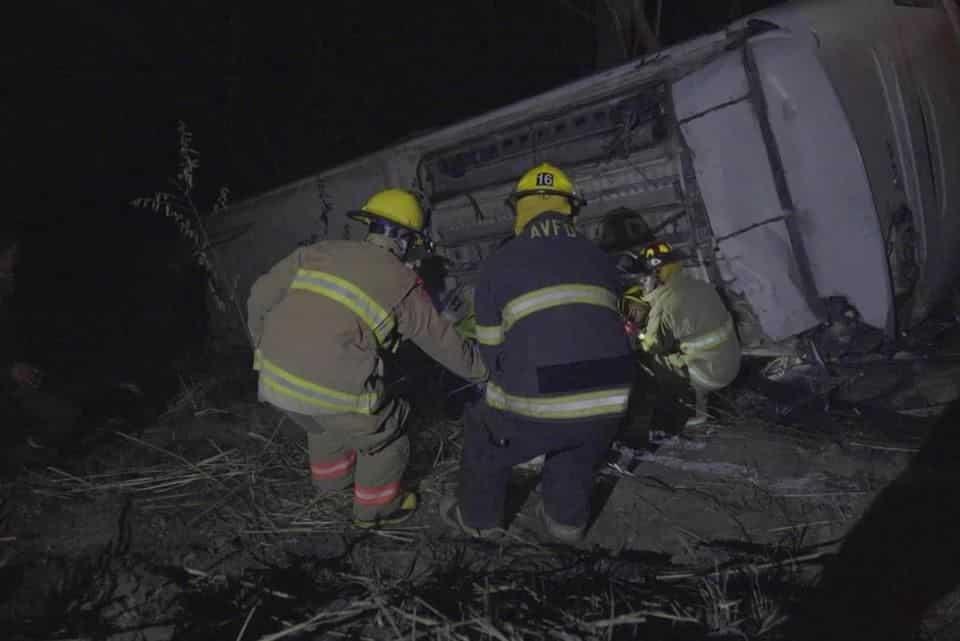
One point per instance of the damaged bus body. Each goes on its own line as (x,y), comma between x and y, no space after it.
(806,160)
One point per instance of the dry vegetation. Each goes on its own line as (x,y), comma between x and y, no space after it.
(204,527)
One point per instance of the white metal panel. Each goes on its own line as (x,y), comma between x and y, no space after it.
(736,183)
(827,179)
(893,67)
(263,240)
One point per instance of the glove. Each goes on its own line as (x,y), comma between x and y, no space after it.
(467,328)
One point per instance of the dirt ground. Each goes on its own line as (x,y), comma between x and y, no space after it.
(204,525)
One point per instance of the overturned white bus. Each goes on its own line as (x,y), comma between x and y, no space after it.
(806,159)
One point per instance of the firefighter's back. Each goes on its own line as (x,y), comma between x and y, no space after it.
(337,311)
(557,294)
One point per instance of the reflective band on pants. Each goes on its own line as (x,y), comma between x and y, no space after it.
(374,496)
(570,406)
(541,299)
(287,384)
(335,469)
(380,322)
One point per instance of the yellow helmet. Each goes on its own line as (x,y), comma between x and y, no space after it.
(546,180)
(396,206)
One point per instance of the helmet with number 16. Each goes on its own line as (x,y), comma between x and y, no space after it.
(543,188)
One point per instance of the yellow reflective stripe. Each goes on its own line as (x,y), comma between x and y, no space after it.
(380,322)
(310,399)
(541,299)
(283,382)
(708,340)
(489,334)
(275,370)
(589,404)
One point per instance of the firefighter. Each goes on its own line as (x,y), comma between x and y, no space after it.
(683,331)
(561,366)
(323,322)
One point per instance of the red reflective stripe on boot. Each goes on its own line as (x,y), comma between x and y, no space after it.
(380,495)
(335,469)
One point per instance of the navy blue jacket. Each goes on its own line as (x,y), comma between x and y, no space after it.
(549,328)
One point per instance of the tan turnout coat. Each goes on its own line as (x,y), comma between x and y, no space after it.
(691,331)
(322,318)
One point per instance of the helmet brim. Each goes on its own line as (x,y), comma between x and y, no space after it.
(360,216)
(576,200)
(365,217)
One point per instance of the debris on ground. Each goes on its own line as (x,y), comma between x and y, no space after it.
(204,525)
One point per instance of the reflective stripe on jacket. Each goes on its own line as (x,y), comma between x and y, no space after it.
(549,327)
(540,300)
(702,344)
(565,407)
(321,318)
(689,323)
(275,381)
(377,319)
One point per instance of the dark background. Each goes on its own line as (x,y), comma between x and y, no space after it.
(272,92)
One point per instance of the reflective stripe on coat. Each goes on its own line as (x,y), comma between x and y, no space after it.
(549,326)
(689,323)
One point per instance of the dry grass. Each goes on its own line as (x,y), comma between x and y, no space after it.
(413,582)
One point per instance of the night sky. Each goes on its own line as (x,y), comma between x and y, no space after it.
(271,91)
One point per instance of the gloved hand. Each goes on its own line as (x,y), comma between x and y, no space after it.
(676,361)
(467,327)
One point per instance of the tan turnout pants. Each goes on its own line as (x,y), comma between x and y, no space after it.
(366,452)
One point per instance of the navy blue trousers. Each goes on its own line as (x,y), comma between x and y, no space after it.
(573,450)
